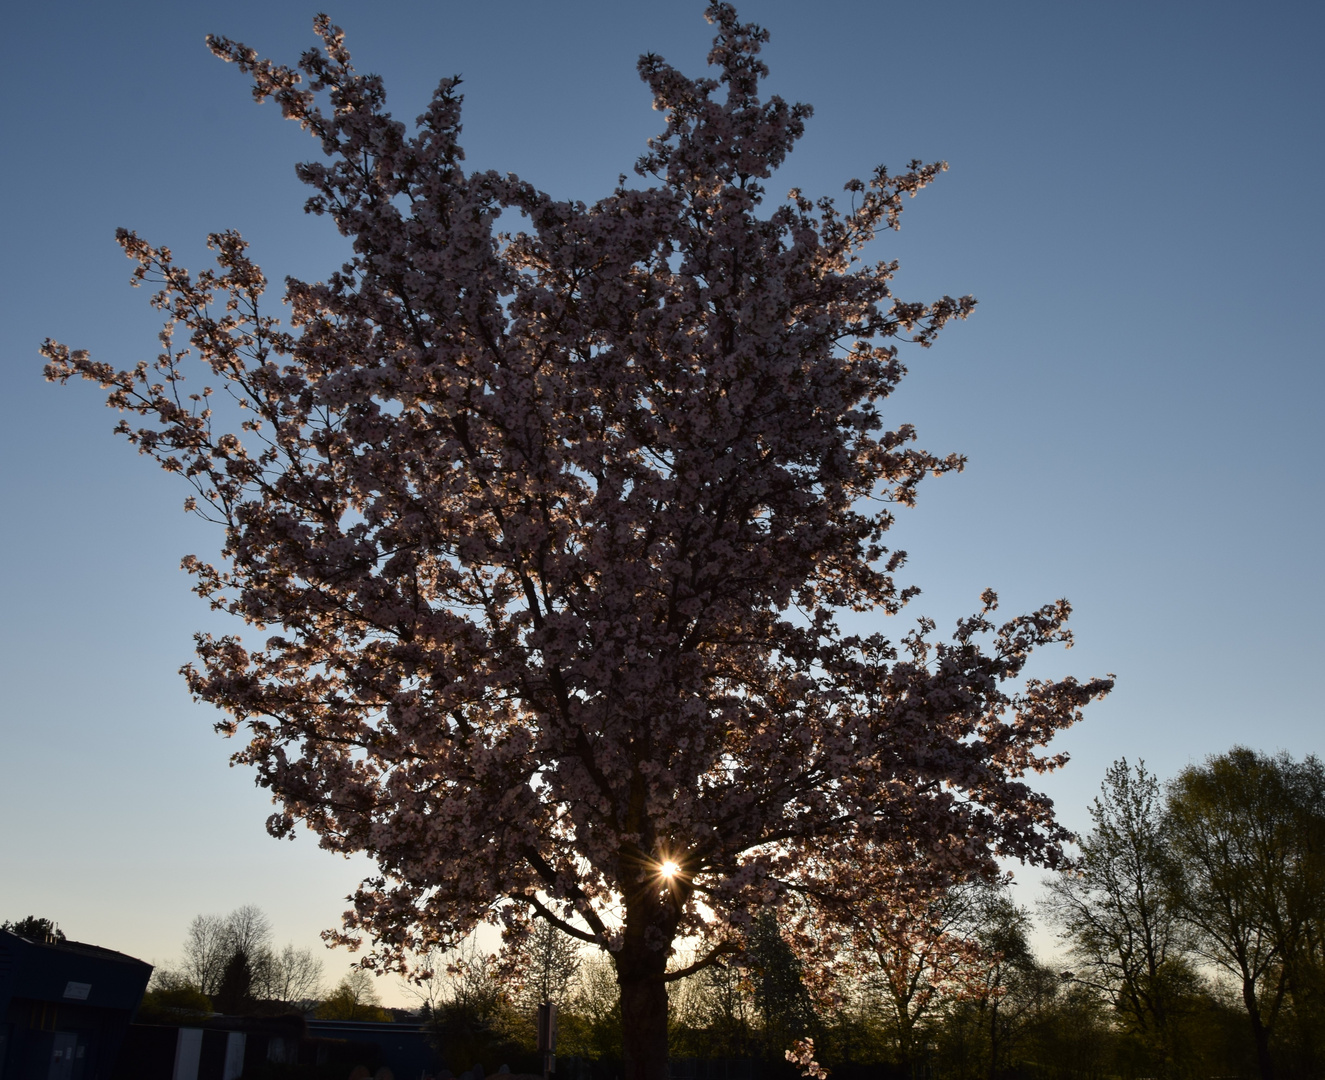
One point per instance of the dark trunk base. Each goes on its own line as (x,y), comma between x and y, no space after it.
(644,1028)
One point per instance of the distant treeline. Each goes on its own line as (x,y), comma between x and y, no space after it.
(1193,919)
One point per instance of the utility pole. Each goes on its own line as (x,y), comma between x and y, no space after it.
(547,1037)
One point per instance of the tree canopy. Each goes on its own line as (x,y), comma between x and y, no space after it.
(1119,912)
(552,527)
(1248,836)
(221,951)
(1223,876)
(34,928)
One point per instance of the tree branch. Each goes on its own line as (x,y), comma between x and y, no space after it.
(723,948)
(549,876)
(556,920)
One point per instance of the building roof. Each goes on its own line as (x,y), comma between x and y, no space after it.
(69,971)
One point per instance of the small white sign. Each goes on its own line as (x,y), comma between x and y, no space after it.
(76,991)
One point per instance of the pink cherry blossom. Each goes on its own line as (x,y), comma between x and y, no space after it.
(541,539)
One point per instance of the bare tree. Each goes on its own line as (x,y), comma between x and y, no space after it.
(292,976)
(427,979)
(439,976)
(472,978)
(248,931)
(248,928)
(206,952)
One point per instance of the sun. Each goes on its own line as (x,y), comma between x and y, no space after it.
(670,868)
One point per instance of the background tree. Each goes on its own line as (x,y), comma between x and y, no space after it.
(1116,910)
(991,1022)
(591,1026)
(248,930)
(1299,917)
(714,1013)
(292,977)
(541,964)
(427,980)
(554,527)
(1246,831)
(170,997)
(207,950)
(476,1017)
(1073,1034)
(354,998)
(914,955)
(782,1002)
(234,996)
(34,928)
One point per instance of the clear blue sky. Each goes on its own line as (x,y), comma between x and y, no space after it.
(1134,197)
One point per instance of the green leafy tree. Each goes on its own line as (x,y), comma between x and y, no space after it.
(355,998)
(591,1025)
(1115,909)
(1070,1035)
(1247,832)
(474,1017)
(785,1011)
(714,1013)
(172,997)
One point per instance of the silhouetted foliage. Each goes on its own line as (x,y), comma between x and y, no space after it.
(354,998)
(171,998)
(34,928)
(476,1021)
(1248,833)
(235,994)
(785,1011)
(1119,915)
(284,980)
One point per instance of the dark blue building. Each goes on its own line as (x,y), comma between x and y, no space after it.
(404,1048)
(64,1008)
(231,1047)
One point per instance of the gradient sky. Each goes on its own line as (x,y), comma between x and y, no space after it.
(1134,197)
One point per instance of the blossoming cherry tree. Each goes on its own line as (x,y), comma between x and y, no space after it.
(549,531)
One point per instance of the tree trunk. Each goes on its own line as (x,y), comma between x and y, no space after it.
(643,1015)
(905,1037)
(1258,1031)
